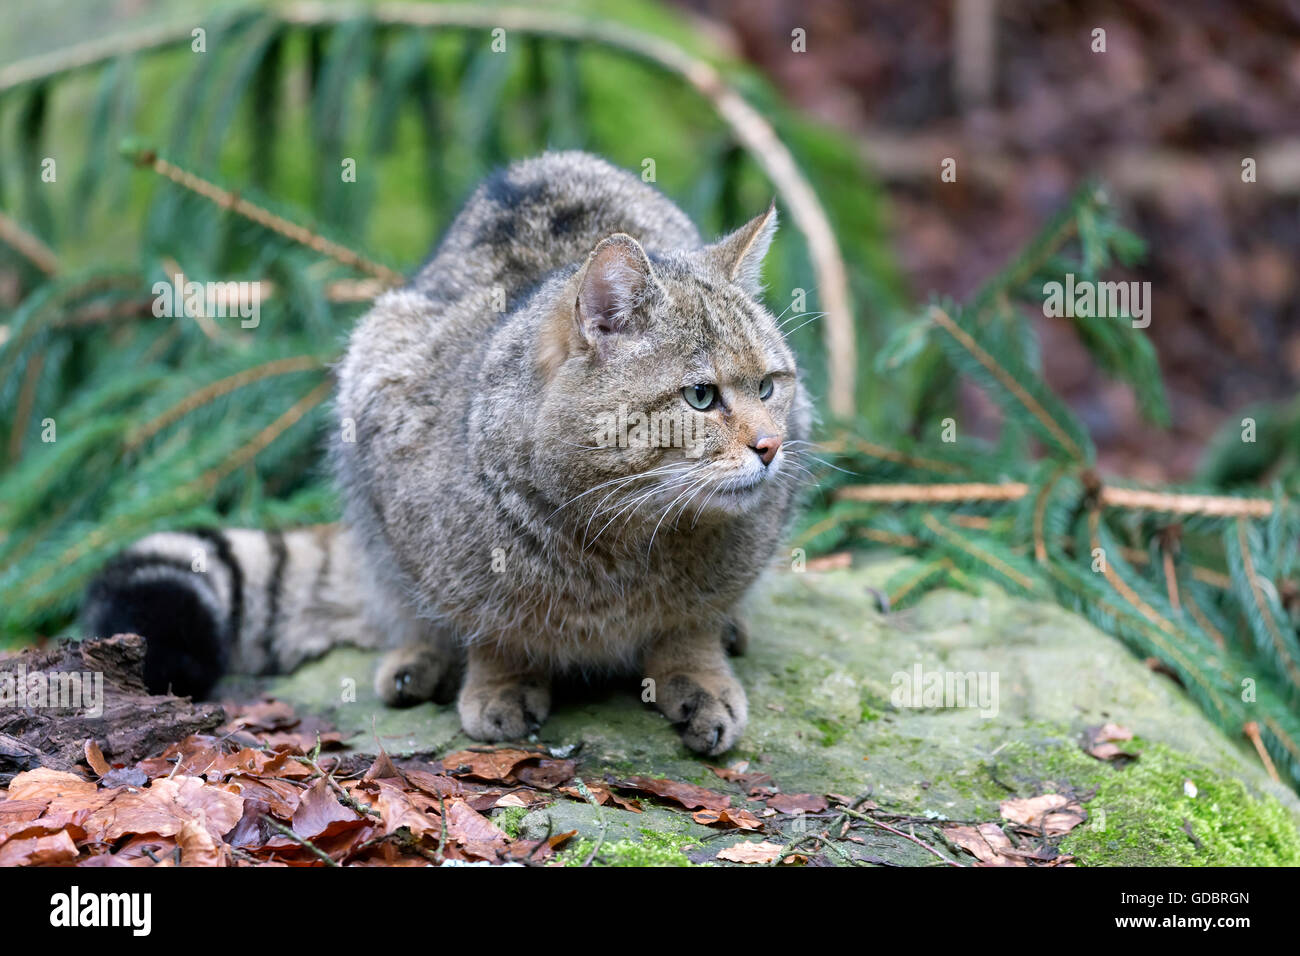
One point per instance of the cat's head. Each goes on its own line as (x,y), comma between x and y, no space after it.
(669,389)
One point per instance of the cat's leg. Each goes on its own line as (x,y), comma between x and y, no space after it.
(425,668)
(735,635)
(503,698)
(696,690)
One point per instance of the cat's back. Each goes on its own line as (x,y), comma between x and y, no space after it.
(538,215)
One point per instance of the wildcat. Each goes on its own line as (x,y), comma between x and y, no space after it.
(497,531)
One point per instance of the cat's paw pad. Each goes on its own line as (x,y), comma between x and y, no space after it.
(408,676)
(503,711)
(710,711)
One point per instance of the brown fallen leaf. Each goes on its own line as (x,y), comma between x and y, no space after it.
(987,843)
(798,803)
(437,784)
(301,741)
(545,773)
(43,850)
(198,848)
(46,784)
(469,827)
(397,810)
(491,766)
(164,808)
(520,798)
(384,769)
(280,796)
(763,852)
(603,795)
(538,850)
(687,794)
(1101,742)
(735,818)
(1052,814)
(253,832)
(320,814)
(510,766)
(14,811)
(95,759)
(265,715)
(740,774)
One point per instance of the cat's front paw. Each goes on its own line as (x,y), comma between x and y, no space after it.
(415,673)
(709,709)
(503,711)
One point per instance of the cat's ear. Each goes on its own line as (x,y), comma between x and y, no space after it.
(616,281)
(739,256)
(608,292)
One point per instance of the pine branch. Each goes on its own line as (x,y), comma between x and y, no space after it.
(263,217)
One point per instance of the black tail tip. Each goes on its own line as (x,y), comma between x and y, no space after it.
(173,610)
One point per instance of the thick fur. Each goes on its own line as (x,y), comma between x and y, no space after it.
(488,528)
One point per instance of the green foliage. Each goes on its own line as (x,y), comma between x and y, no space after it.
(1205,588)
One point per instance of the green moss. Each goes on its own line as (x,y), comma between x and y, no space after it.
(832,731)
(1141,816)
(653,849)
(510,819)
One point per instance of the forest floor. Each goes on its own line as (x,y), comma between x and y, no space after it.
(1068,751)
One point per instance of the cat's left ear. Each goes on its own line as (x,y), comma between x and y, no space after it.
(739,256)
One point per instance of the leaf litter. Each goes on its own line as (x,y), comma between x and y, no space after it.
(263,790)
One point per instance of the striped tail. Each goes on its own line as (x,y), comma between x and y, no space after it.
(211,602)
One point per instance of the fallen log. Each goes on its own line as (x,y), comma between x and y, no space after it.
(54,700)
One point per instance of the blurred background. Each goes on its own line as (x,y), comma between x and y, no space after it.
(1163,118)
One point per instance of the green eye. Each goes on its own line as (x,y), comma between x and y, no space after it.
(765,388)
(699,397)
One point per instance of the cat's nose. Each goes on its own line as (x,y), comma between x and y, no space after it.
(766,447)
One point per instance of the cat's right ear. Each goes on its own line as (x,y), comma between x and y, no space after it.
(616,281)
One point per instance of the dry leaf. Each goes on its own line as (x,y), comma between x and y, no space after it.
(1101,742)
(798,803)
(687,794)
(46,784)
(320,814)
(43,850)
(164,808)
(95,759)
(741,775)
(1052,814)
(750,853)
(397,810)
(198,848)
(467,826)
(987,843)
(737,818)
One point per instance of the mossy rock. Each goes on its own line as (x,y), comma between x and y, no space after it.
(822,670)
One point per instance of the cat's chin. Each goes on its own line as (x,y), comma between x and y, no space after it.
(732,499)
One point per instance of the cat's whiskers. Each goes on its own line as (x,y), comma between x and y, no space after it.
(614,481)
(790,332)
(630,506)
(596,512)
(653,534)
(705,502)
